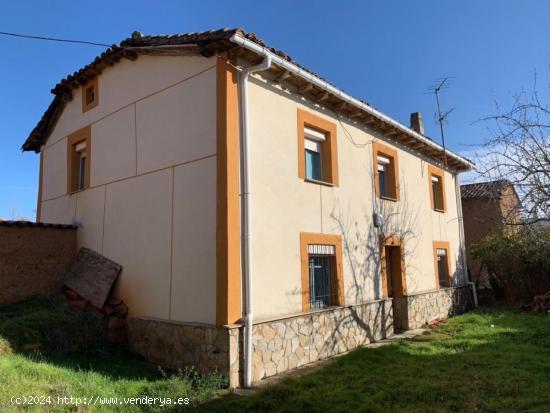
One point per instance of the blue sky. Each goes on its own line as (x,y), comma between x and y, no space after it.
(387,52)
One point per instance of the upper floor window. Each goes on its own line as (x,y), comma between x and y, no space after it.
(385,172)
(317,153)
(78,162)
(313,144)
(90,95)
(437,188)
(80,155)
(441,252)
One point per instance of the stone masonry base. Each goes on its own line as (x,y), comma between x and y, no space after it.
(285,344)
(176,345)
(288,342)
(416,310)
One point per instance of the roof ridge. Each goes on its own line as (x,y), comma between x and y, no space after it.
(209,43)
(504,180)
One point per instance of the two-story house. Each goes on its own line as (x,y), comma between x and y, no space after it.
(264,218)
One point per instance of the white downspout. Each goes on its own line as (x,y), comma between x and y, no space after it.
(463,240)
(246,238)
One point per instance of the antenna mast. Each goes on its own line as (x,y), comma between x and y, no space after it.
(440,85)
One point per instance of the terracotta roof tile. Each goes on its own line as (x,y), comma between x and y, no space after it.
(491,189)
(209,42)
(34,224)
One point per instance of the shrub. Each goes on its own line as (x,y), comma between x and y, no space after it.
(518,264)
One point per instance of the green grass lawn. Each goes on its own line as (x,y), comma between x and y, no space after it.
(483,361)
(48,348)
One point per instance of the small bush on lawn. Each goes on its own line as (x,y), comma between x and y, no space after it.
(518,263)
(202,386)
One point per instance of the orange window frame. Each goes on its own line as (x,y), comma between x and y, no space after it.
(94,84)
(433,171)
(441,245)
(307,238)
(329,147)
(384,150)
(81,135)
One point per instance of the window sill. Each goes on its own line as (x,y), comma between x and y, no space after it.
(387,198)
(76,191)
(314,181)
(442,211)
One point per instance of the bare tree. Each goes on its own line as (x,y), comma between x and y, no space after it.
(519,151)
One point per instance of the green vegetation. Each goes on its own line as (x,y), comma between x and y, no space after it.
(483,361)
(48,348)
(518,263)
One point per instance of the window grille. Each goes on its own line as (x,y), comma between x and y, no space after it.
(321,266)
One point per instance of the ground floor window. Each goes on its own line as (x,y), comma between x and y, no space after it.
(442,267)
(443,277)
(321,273)
(319,281)
(321,270)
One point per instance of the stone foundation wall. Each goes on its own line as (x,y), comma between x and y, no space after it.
(34,258)
(278,345)
(292,342)
(416,310)
(177,345)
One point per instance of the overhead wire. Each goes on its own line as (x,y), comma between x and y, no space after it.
(53,39)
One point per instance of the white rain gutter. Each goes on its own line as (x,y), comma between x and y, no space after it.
(292,68)
(463,240)
(246,239)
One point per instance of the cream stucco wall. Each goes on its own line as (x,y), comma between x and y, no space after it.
(152,201)
(284,205)
(152,196)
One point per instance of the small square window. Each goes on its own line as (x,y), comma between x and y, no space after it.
(90,95)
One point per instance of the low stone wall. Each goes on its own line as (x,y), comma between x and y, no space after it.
(289,342)
(285,344)
(278,345)
(177,345)
(34,259)
(416,310)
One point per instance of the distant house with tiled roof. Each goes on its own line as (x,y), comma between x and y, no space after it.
(249,201)
(489,208)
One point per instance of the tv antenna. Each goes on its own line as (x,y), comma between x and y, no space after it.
(437,88)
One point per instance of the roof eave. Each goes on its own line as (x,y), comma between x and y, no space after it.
(462,163)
